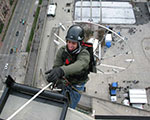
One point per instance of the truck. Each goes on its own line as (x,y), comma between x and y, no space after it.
(51,10)
(113,92)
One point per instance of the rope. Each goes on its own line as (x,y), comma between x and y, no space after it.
(72,86)
(23,106)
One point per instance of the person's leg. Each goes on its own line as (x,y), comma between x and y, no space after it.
(75,96)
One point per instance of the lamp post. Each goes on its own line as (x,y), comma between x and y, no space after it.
(100,11)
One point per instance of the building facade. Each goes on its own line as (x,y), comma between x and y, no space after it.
(4,10)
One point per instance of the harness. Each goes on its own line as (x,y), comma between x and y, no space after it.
(76,78)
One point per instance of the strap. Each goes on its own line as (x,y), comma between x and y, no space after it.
(72,86)
(87,44)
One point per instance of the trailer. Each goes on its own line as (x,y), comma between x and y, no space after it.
(138,98)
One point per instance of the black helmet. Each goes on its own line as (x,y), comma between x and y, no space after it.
(75,33)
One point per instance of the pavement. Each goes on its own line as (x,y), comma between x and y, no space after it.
(20,68)
(136,70)
(47,48)
(101,107)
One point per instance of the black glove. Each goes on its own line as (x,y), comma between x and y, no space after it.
(48,71)
(54,74)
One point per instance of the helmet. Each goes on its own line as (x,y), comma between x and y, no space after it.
(75,33)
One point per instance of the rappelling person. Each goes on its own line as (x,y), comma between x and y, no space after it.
(71,66)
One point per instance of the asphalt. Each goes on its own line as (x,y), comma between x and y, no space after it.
(11,41)
(48,48)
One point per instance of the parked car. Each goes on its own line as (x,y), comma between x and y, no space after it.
(51,11)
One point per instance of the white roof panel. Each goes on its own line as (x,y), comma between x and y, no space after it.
(138,96)
(117,4)
(137,91)
(112,12)
(138,100)
(104,4)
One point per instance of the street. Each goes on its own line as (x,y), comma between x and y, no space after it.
(14,37)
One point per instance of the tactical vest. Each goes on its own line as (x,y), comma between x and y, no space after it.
(77,78)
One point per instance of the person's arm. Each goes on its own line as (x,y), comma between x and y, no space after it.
(81,63)
(54,74)
(58,60)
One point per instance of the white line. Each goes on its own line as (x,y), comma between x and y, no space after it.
(59,38)
(26,11)
(112,66)
(17,40)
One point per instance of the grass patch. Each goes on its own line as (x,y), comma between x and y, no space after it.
(11,2)
(33,29)
(40,2)
(1,27)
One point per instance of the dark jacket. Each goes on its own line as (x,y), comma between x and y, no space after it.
(75,67)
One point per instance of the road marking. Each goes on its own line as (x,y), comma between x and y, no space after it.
(14,42)
(17,40)
(7,46)
(26,11)
(31,8)
(112,66)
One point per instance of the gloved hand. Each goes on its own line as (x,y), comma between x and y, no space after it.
(54,74)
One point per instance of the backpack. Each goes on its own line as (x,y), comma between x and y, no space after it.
(89,48)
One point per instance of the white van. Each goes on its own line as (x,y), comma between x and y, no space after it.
(51,10)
